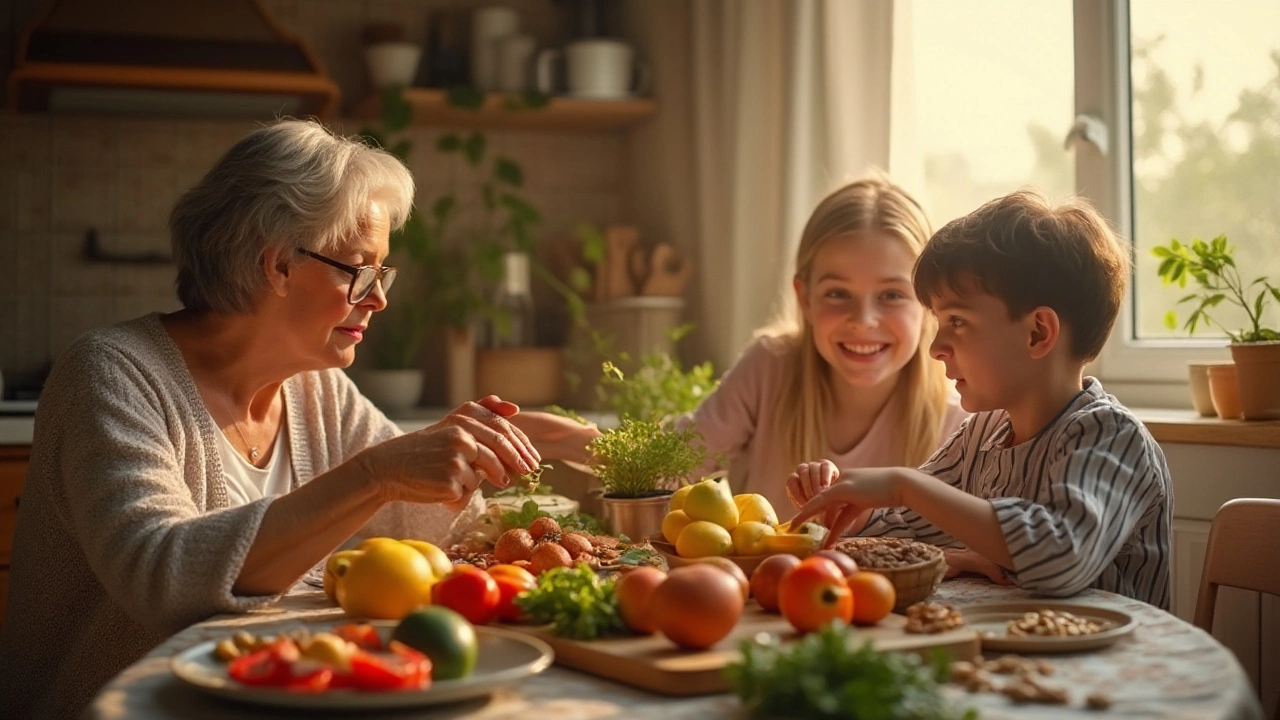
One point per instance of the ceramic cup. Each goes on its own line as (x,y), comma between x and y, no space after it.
(393,63)
(1198,378)
(595,69)
(1224,391)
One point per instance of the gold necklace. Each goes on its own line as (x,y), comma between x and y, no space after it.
(254,453)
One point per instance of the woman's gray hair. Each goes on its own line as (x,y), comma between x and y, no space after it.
(293,184)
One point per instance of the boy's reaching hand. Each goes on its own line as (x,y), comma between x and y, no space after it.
(966,560)
(841,504)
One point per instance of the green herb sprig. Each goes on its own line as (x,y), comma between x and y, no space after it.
(530,511)
(825,676)
(576,602)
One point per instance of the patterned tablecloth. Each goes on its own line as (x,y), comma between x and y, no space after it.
(1166,669)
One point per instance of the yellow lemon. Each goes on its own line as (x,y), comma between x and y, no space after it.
(753,507)
(748,537)
(334,568)
(374,541)
(386,582)
(677,499)
(701,538)
(673,523)
(711,501)
(440,563)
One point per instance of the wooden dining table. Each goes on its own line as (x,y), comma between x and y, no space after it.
(1166,668)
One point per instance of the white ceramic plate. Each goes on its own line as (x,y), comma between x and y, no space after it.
(991,623)
(505,658)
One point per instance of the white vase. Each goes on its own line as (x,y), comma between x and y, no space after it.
(390,390)
(392,63)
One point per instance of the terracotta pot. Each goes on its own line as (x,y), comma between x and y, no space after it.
(1198,381)
(1224,391)
(1258,379)
(522,375)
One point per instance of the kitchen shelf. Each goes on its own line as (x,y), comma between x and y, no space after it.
(431,107)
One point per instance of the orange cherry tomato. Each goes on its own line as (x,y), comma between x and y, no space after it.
(873,597)
(813,594)
(470,592)
(512,580)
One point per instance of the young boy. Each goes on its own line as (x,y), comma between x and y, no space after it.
(1052,480)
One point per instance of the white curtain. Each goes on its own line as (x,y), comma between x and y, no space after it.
(765,106)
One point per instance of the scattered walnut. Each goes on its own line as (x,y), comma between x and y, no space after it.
(931,617)
(1053,623)
(1098,701)
(1026,678)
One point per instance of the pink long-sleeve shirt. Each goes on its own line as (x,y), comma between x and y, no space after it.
(740,420)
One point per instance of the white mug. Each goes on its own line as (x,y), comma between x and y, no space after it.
(488,26)
(597,69)
(515,58)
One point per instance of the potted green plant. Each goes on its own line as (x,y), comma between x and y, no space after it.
(461,264)
(1255,348)
(640,463)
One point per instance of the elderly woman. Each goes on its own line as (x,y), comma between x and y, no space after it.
(202,462)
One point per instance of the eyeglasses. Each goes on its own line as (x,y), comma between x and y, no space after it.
(362,276)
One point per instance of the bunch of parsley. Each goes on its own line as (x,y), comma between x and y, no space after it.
(825,676)
(577,602)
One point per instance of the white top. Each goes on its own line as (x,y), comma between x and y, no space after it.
(247,483)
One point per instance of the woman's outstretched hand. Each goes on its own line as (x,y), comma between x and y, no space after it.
(446,462)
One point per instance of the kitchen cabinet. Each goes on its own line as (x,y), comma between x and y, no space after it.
(13,472)
(561,114)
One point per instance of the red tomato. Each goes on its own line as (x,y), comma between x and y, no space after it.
(470,592)
(813,594)
(313,682)
(404,670)
(272,666)
(509,586)
(362,635)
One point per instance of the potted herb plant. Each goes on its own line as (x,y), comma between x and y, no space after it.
(639,464)
(1255,348)
(461,264)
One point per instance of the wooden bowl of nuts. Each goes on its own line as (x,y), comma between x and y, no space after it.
(914,568)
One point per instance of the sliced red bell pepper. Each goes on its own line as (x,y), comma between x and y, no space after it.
(406,669)
(272,666)
(363,635)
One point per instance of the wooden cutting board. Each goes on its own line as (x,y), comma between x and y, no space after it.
(654,663)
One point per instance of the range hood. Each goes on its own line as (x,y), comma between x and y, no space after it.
(167,57)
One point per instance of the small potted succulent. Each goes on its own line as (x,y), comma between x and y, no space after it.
(640,463)
(1255,348)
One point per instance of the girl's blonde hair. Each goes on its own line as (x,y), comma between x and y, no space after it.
(869,205)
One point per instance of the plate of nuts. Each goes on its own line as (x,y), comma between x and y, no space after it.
(1040,626)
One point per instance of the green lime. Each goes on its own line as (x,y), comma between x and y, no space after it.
(442,635)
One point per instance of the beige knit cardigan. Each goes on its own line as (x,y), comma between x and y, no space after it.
(125,535)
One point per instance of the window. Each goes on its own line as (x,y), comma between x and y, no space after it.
(1189,92)
(991,100)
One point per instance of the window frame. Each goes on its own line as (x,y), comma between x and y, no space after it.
(1141,372)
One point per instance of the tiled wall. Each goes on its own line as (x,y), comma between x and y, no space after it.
(62,175)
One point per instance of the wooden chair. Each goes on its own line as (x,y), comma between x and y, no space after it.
(1244,552)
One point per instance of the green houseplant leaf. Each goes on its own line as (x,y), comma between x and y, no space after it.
(1212,267)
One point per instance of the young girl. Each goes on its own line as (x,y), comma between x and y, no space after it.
(848,378)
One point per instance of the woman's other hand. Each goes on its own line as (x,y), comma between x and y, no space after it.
(446,462)
(966,560)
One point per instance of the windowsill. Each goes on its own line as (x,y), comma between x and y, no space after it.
(1188,427)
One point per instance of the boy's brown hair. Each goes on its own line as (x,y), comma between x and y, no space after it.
(1030,253)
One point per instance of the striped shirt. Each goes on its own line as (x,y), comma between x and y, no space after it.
(1085,503)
